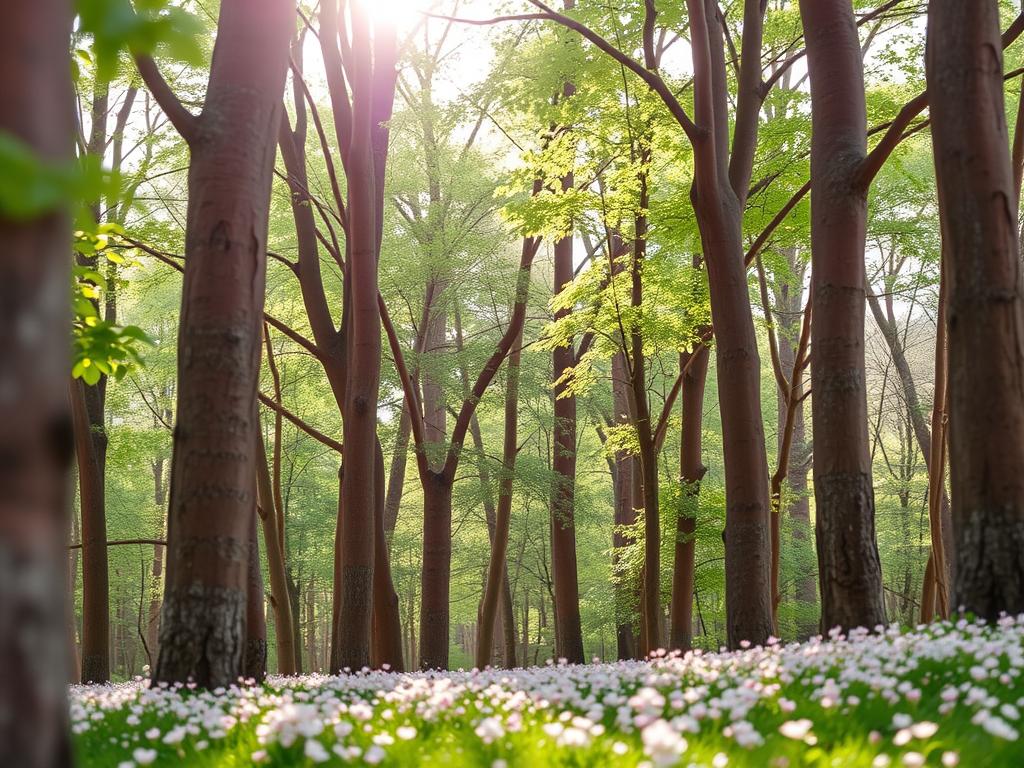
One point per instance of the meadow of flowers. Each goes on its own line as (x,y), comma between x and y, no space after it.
(943,695)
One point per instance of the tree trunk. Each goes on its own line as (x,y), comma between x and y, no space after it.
(985,317)
(95,603)
(268,513)
(387,621)
(563,541)
(36,441)
(625,514)
(92,462)
(435,581)
(849,570)
(396,477)
(254,663)
(497,574)
(691,472)
(362,384)
(153,617)
(202,634)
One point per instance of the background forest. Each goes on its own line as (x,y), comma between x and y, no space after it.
(503,132)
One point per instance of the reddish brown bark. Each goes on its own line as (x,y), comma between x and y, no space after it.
(563,464)
(362,381)
(269,512)
(95,655)
(625,514)
(936,472)
(213,483)
(718,194)
(254,660)
(985,316)
(36,445)
(691,472)
(849,570)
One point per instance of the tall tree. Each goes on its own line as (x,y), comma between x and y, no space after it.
(985,314)
(213,483)
(36,440)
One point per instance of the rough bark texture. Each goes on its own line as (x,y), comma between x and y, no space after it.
(563,464)
(36,438)
(691,472)
(849,570)
(219,346)
(985,317)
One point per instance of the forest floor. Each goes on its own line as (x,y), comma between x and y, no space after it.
(943,695)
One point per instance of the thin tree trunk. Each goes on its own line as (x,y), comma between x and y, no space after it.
(936,473)
(254,663)
(691,472)
(36,441)
(387,620)
(95,585)
(849,569)
(625,514)
(202,635)
(985,316)
(284,634)
(497,575)
(153,618)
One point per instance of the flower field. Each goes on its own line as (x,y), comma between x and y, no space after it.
(944,695)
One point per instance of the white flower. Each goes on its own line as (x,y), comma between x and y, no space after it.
(374,755)
(406,733)
(175,736)
(315,751)
(662,744)
(950,759)
(913,760)
(489,729)
(923,730)
(144,756)
(796,729)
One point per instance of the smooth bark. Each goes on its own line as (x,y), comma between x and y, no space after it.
(849,569)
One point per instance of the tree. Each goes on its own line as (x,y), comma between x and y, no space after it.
(37,131)
(213,483)
(985,316)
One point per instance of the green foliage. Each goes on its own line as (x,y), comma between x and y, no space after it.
(151,26)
